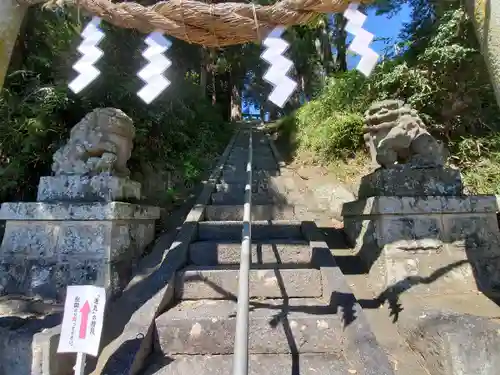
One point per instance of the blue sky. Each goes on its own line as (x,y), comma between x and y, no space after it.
(381,27)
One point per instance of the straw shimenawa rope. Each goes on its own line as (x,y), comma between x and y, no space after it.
(211,25)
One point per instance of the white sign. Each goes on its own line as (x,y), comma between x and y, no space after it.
(82,321)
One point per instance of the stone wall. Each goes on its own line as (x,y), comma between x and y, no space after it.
(485,15)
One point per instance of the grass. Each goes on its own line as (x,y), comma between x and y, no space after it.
(478,159)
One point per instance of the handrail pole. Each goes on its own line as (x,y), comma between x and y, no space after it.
(240,359)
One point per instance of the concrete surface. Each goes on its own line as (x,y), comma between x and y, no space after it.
(221,282)
(211,253)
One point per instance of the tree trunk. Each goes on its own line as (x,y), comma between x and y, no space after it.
(11,18)
(273,113)
(235,103)
(203,80)
(214,88)
(203,76)
(326,47)
(340,42)
(223,94)
(206,67)
(303,88)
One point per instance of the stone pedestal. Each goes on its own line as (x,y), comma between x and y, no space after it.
(100,188)
(47,246)
(405,180)
(441,243)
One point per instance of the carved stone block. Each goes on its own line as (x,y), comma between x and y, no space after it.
(49,246)
(99,188)
(427,245)
(406,180)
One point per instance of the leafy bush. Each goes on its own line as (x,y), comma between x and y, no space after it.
(330,125)
(29,131)
(479,159)
(338,136)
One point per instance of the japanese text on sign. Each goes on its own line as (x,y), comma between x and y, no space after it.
(83,320)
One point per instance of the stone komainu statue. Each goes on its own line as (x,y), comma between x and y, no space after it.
(101,142)
(395,134)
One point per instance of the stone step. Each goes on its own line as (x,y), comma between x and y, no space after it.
(239,198)
(230,188)
(235,165)
(259,212)
(208,327)
(220,282)
(258,186)
(266,160)
(243,155)
(264,165)
(232,230)
(239,164)
(257,152)
(240,176)
(211,253)
(259,364)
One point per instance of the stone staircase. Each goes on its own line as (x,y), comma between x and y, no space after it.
(304,318)
(178,313)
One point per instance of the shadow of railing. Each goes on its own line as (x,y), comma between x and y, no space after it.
(338,300)
(283,317)
(392,293)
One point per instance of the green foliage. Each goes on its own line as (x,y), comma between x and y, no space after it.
(479,159)
(335,137)
(331,125)
(178,135)
(444,77)
(447,82)
(29,130)
(344,92)
(33,106)
(441,73)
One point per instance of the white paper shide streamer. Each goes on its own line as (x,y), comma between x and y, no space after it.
(280,66)
(362,39)
(92,36)
(152,73)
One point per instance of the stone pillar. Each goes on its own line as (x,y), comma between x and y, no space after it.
(485,15)
(418,234)
(11,17)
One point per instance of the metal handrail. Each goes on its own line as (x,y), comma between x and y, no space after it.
(240,359)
